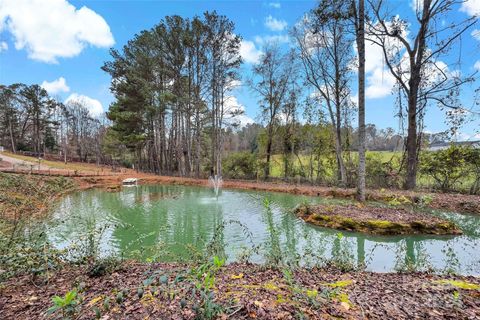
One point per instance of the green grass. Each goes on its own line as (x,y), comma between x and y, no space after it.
(277,170)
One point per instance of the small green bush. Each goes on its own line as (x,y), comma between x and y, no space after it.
(447,167)
(473,159)
(240,165)
(381,173)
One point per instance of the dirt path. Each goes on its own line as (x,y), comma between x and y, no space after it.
(21,164)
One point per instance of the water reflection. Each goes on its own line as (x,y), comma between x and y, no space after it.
(175,223)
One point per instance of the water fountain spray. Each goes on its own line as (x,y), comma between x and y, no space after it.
(216,182)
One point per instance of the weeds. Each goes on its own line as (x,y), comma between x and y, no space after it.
(411,257)
(342,256)
(274,255)
(203,278)
(24,246)
(28,252)
(67,305)
(317,299)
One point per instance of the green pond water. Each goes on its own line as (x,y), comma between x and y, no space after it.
(176,223)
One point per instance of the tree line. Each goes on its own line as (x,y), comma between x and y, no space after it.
(33,121)
(171,85)
(173,110)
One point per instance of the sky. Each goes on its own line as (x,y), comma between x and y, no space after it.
(62,45)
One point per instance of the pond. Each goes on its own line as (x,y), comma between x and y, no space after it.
(176,223)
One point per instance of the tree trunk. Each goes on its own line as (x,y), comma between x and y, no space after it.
(338,149)
(416,65)
(361,100)
(411,179)
(269,151)
(11,135)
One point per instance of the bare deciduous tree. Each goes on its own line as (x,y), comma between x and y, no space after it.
(359,18)
(413,53)
(272,76)
(325,49)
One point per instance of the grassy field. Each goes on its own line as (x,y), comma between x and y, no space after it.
(277,169)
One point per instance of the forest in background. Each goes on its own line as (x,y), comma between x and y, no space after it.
(172,113)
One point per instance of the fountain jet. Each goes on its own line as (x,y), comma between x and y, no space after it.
(216,182)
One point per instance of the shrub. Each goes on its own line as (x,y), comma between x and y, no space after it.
(446,167)
(26,251)
(473,159)
(381,173)
(240,165)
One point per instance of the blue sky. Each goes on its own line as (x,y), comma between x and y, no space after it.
(63,44)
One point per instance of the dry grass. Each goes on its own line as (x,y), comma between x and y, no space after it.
(76,166)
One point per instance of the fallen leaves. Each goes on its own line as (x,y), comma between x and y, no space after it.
(263,294)
(345,305)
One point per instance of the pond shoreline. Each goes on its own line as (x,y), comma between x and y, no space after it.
(461,203)
(245,291)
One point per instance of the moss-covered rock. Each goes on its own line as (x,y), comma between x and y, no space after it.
(331,217)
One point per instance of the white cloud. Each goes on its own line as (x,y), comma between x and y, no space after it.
(379,83)
(471,7)
(249,52)
(3,46)
(53,29)
(262,40)
(275,5)
(379,80)
(476,34)
(94,106)
(56,86)
(476,66)
(275,24)
(374,58)
(236,112)
(354,98)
